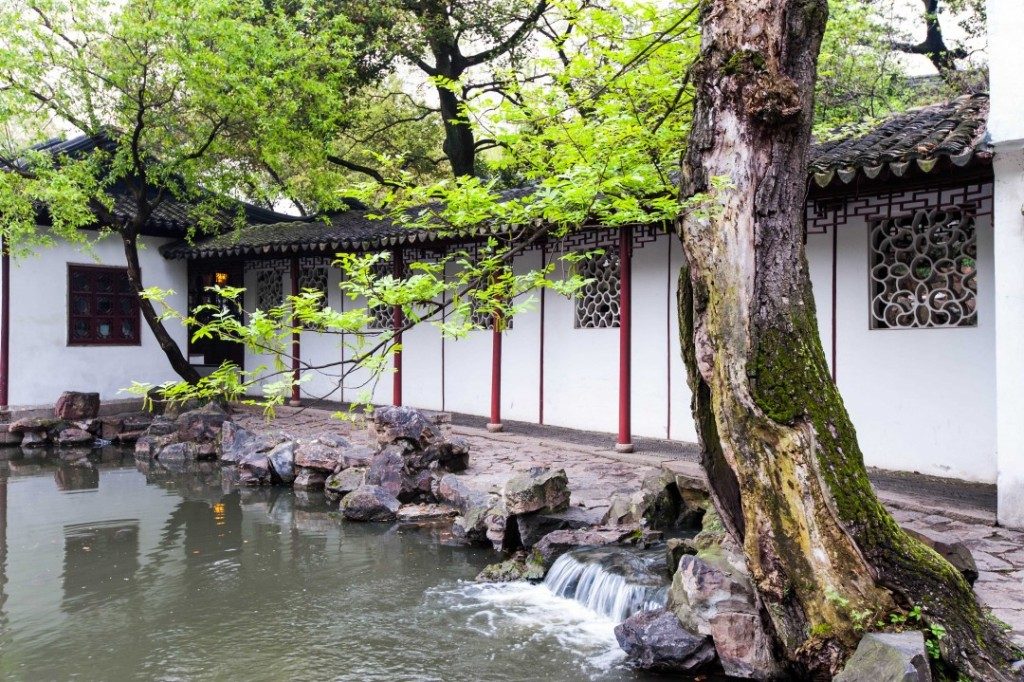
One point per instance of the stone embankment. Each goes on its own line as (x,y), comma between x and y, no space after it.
(408,467)
(76,427)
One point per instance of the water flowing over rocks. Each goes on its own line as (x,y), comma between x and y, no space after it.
(888,657)
(655,640)
(613,581)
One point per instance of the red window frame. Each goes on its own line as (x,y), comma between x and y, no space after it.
(101,295)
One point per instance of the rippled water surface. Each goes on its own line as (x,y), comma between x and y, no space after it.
(112,573)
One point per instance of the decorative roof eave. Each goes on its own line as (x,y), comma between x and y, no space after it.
(899,169)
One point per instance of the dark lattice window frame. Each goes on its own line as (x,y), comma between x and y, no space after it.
(596,305)
(923,270)
(103,307)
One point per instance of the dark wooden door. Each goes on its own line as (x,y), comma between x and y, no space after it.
(201,276)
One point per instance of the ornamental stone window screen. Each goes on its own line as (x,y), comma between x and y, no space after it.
(269,288)
(597,303)
(382,315)
(314,277)
(924,270)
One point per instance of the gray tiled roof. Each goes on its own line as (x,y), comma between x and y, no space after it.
(921,137)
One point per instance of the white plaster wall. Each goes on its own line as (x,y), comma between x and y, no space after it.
(1008,202)
(651,348)
(681,426)
(322,349)
(921,399)
(43,364)
(467,371)
(819,264)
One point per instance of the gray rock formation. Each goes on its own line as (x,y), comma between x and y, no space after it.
(370,503)
(888,657)
(537,490)
(655,640)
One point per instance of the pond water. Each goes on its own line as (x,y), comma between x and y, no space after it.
(109,572)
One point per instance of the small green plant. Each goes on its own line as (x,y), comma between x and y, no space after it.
(932,638)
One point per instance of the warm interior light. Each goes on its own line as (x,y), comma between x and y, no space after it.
(221,278)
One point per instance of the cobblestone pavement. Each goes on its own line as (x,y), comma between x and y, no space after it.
(596,472)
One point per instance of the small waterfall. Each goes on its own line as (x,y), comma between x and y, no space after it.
(614,582)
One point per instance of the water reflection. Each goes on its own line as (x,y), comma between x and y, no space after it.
(179,574)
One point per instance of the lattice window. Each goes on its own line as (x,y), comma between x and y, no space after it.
(103,307)
(483,319)
(269,288)
(383,315)
(924,270)
(597,303)
(314,277)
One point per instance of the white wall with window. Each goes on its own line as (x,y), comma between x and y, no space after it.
(72,327)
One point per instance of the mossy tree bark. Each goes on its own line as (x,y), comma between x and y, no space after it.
(785,468)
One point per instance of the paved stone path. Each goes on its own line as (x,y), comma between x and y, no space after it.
(596,472)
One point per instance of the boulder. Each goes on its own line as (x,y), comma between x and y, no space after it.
(355,456)
(176,453)
(282,463)
(309,479)
(203,424)
(33,424)
(404,424)
(317,455)
(517,568)
(370,503)
(712,595)
(73,405)
(888,657)
(344,482)
(656,504)
(453,490)
(479,522)
(254,469)
(557,543)
(426,512)
(675,550)
(162,426)
(533,527)
(74,436)
(539,489)
(656,640)
(952,550)
(387,469)
(34,439)
(237,443)
(449,455)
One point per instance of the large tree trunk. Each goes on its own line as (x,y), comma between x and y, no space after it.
(174,355)
(786,471)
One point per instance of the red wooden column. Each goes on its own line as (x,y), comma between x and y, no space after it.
(396,323)
(625,440)
(5,323)
(495,424)
(296,349)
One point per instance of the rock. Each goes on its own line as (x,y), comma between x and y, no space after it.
(355,456)
(317,455)
(32,424)
(500,529)
(478,523)
(449,455)
(203,424)
(675,550)
(344,482)
(176,453)
(538,489)
(309,479)
(888,657)
(73,405)
(453,490)
(655,640)
(533,527)
(712,595)
(34,439)
(370,503)
(557,543)
(516,568)
(74,436)
(952,550)
(237,443)
(386,469)
(430,511)
(404,424)
(282,463)
(254,469)
(162,426)
(656,504)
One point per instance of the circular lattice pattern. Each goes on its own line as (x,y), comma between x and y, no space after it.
(597,303)
(924,270)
